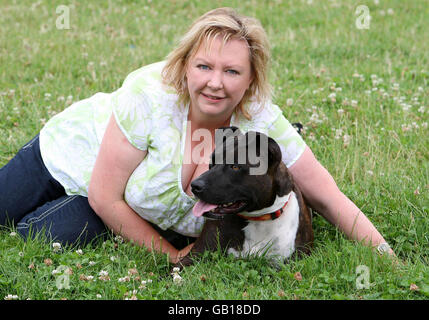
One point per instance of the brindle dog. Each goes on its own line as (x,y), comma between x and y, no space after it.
(245,207)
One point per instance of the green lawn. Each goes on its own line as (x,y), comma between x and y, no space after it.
(362,95)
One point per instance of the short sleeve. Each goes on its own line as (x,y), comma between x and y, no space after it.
(132,112)
(291,143)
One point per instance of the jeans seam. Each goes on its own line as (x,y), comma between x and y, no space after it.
(22,225)
(29,144)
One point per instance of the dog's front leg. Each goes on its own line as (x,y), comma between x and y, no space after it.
(216,234)
(207,241)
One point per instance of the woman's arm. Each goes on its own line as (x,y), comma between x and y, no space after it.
(322,194)
(116,161)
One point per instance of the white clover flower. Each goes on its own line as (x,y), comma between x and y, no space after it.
(13,234)
(113,258)
(340,111)
(79,251)
(56,246)
(346,140)
(55,272)
(405,106)
(289,102)
(354,103)
(103,273)
(132,271)
(98,296)
(176,269)
(11,297)
(91,263)
(421,109)
(119,239)
(177,279)
(124,279)
(338,133)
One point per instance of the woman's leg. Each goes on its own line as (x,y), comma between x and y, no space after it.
(26,184)
(68,220)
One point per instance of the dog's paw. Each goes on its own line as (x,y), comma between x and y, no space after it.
(184,262)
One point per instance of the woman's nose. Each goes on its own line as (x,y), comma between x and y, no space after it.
(215,81)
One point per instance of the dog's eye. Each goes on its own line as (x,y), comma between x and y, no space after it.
(235,167)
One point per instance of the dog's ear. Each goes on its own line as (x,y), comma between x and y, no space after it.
(282,179)
(274,153)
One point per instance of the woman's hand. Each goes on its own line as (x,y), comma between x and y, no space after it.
(181,253)
(322,194)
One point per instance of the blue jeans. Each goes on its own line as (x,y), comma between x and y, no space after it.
(34,202)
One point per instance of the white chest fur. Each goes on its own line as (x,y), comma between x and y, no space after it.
(272,237)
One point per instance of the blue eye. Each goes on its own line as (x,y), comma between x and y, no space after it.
(202,67)
(232,71)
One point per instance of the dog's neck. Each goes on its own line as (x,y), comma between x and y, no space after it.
(278,204)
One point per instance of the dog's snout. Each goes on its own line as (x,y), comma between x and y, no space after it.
(198,186)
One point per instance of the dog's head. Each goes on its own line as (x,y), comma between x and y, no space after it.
(246,173)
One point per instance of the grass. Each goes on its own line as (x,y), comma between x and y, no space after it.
(361,94)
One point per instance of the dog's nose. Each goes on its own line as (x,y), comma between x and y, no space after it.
(198,186)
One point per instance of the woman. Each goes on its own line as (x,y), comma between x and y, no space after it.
(125,160)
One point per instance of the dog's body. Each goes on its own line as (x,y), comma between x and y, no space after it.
(250,213)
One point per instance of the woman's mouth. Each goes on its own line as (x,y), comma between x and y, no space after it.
(212,98)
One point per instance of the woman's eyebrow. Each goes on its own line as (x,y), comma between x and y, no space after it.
(233,66)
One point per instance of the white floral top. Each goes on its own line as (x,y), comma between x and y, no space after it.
(148,114)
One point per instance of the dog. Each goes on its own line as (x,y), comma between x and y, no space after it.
(249,212)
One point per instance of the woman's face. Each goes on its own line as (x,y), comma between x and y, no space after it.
(217,80)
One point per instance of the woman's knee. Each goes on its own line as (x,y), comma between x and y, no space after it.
(68,220)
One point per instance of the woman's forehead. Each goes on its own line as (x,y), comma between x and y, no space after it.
(233,49)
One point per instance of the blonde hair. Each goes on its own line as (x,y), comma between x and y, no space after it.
(230,25)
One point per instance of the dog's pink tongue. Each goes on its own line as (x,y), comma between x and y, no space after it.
(200,207)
